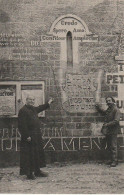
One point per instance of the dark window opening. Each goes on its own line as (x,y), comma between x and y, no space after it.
(69,50)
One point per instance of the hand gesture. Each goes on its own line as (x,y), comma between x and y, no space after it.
(29,139)
(50,100)
(97,104)
(105,124)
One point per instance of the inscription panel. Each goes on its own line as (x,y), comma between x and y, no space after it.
(80,90)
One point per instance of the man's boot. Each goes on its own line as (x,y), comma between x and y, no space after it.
(31,176)
(109,163)
(113,164)
(40,173)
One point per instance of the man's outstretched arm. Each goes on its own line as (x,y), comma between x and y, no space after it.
(100,110)
(44,106)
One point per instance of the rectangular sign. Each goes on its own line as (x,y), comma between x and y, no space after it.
(80,90)
(7,100)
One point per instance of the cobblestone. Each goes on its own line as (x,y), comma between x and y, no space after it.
(66,178)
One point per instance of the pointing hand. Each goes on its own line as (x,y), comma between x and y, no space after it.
(50,100)
(29,139)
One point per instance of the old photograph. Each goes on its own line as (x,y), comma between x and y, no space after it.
(62,96)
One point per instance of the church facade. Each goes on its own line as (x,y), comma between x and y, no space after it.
(72,51)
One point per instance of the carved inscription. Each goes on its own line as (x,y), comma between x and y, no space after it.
(80,90)
(11,40)
(56,139)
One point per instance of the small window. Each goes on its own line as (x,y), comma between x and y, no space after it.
(69,50)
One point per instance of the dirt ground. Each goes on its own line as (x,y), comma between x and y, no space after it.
(74,178)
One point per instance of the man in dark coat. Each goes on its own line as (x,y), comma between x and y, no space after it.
(31,147)
(112,117)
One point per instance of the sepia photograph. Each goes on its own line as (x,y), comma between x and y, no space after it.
(61,96)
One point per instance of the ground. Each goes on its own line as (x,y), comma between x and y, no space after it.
(76,178)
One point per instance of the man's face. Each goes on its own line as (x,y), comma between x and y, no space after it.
(109,101)
(30,101)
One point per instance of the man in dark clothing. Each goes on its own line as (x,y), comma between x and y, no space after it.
(112,117)
(32,156)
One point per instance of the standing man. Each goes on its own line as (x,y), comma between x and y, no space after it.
(32,156)
(112,117)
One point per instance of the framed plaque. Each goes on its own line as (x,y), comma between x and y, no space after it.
(7,100)
(13,96)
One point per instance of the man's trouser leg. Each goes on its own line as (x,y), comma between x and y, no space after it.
(108,141)
(114,148)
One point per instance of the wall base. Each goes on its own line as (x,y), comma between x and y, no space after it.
(12,158)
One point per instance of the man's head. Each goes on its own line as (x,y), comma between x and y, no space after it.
(30,100)
(110,101)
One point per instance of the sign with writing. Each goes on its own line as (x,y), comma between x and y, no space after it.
(36,91)
(56,139)
(63,25)
(66,24)
(117,79)
(7,100)
(80,90)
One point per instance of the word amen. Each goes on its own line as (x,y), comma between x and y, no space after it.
(61,143)
(76,143)
(56,140)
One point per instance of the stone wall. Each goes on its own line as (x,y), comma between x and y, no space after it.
(26,55)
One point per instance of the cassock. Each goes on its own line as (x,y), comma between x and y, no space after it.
(32,156)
